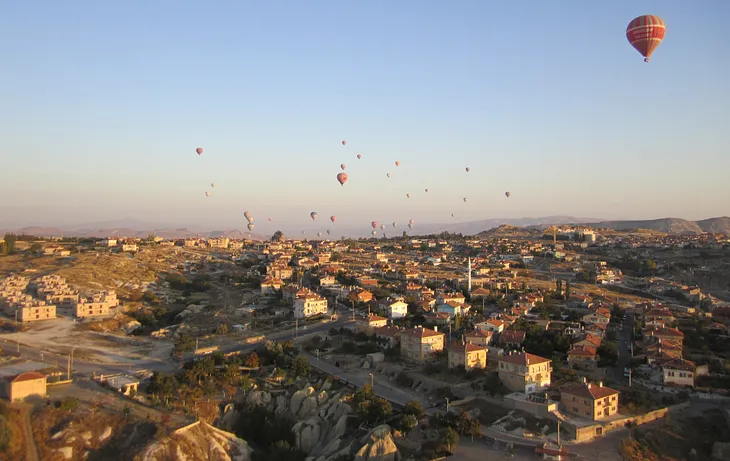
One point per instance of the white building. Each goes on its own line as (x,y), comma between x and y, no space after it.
(397,310)
(309,305)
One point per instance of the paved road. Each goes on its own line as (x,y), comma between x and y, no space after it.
(624,340)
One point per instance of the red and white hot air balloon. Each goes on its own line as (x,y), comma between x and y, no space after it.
(269,219)
(374,224)
(645,33)
(344,143)
(333,218)
(342,178)
(199,150)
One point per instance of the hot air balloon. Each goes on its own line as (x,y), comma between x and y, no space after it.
(343,166)
(468,169)
(374,224)
(269,219)
(333,218)
(344,143)
(359,156)
(452,215)
(395,224)
(342,178)
(508,194)
(250,227)
(397,163)
(328,232)
(382,227)
(304,232)
(645,33)
(464,199)
(319,234)
(199,150)
(207,194)
(408,195)
(212,184)
(248,216)
(426,190)
(313,215)
(410,225)
(387,174)
(374,233)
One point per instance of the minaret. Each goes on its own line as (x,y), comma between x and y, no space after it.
(468,268)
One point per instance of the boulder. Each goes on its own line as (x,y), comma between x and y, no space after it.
(378,445)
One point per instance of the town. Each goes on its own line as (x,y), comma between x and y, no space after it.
(557,342)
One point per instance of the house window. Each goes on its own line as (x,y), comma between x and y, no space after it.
(600,413)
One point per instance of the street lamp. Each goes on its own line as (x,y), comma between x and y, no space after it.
(447,405)
(372,381)
(316,351)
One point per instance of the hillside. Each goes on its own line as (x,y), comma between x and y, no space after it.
(666,225)
(719,225)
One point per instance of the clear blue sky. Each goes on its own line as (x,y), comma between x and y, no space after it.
(104,103)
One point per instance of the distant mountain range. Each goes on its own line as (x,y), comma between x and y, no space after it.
(129,227)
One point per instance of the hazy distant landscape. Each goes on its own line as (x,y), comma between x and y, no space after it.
(129,227)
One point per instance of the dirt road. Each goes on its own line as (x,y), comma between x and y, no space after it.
(31,449)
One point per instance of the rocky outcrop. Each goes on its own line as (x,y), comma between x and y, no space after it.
(321,417)
(199,441)
(378,445)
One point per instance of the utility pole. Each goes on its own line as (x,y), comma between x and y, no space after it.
(447,405)
(296,328)
(629,377)
(70,364)
(353,310)
(372,381)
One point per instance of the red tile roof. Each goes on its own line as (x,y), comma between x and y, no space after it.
(588,391)
(523,359)
(27,376)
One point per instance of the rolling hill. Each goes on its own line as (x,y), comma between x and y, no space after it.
(720,225)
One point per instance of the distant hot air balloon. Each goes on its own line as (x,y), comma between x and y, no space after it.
(374,233)
(248,216)
(344,143)
(426,190)
(464,199)
(374,224)
(397,163)
(382,227)
(199,150)
(342,178)
(387,174)
(328,232)
(645,33)
(250,227)
(359,156)
(313,215)
(395,224)
(319,234)
(207,194)
(212,184)
(269,219)
(410,225)
(408,195)
(507,194)
(468,169)
(452,215)
(333,218)
(343,166)
(304,232)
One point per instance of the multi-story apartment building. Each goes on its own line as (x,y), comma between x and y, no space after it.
(467,356)
(419,343)
(588,400)
(523,372)
(310,305)
(35,310)
(96,305)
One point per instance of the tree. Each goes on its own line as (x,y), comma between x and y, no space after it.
(567,289)
(35,248)
(252,360)
(278,236)
(222,329)
(450,438)
(6,433)
(184,343)
(9,244)
(408,423)
(414,408)
(300,367)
